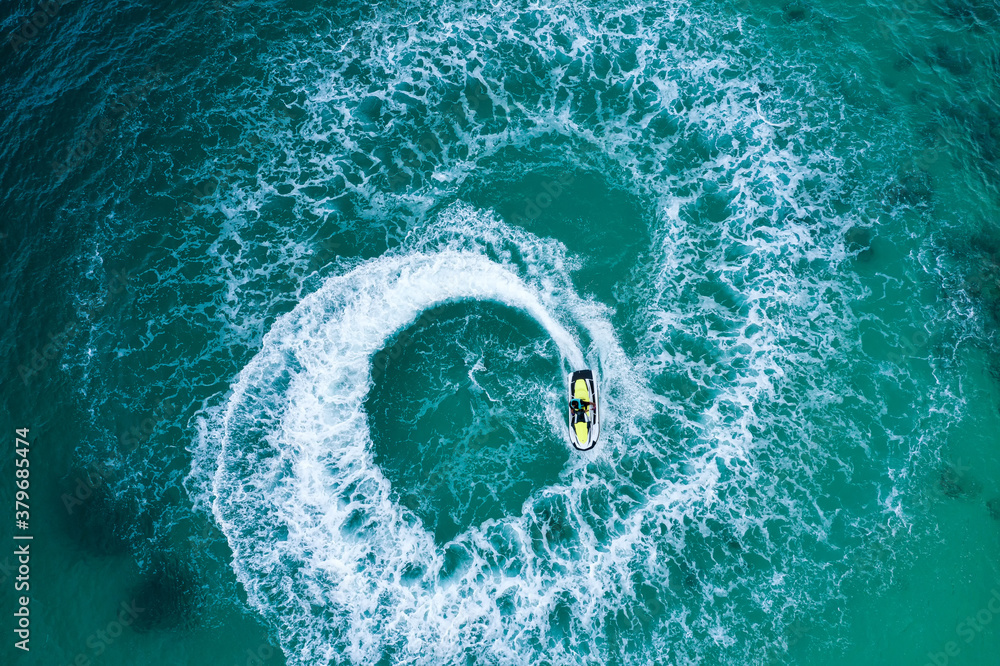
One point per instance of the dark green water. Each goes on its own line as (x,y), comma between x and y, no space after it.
(291,292)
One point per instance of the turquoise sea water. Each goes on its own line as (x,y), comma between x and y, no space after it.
(291,291)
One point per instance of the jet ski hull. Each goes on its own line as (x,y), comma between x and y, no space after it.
(584,426)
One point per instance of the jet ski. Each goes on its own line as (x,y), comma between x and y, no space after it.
(584,417)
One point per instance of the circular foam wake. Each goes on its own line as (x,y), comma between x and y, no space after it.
(310,517)
(684,540)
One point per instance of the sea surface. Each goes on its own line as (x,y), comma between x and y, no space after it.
(291,289)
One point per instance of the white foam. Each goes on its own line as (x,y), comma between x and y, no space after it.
(308,471)
(294,456)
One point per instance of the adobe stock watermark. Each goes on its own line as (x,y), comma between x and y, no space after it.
(911,344)
(135,435)
(984,281)
(380,361)
(797,632)
(199,193)
(471,101)
(41,356)
(944,139)
(326,252)
(967,630)
(46,11)
(954,480)
(794,633)
(263,654)
(102,639)
(84,486)
(95,136)
(549,193)
(900,13)
(478,97)
(220,8)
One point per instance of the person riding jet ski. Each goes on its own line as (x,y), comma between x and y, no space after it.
(584,418)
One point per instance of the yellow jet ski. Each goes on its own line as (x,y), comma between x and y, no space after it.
(584,420)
